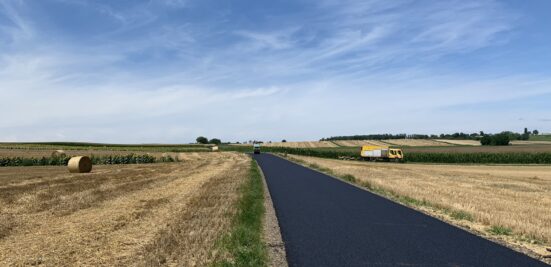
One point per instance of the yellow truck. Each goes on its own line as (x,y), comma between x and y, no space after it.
(381,153)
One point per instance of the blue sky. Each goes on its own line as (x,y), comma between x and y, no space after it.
(171,70)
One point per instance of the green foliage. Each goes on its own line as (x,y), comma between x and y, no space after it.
(459,136)
(167,158)
(540,137)
(349,177)
(412,201)
(202,140)
(500,230)
(481,158)
(501,139)
(418,157)
(60,161)
(123,159)
(461,215)
(20,161)
(215,141)
(486,140)
(140,148)
(244,243)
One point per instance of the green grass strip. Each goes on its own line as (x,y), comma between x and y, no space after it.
(244,243)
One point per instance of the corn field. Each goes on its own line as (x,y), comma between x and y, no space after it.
(481,158)
(424,157)
(96,160)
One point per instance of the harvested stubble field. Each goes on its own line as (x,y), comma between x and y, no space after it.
(358,143)
(415,142)
(460,142)
(513,201)
(156,214)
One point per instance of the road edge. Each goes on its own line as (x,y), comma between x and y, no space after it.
(277,256)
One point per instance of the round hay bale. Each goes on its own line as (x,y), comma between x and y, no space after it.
(80,164)
(59,154)
(215,148)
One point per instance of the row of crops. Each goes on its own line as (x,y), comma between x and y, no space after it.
(482,158)
(96,160)
(426,157)
(104,147)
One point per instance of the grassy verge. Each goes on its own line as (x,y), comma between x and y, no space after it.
(244,243)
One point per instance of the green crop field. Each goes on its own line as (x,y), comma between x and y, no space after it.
(545,137)
(108,147)
(530,154)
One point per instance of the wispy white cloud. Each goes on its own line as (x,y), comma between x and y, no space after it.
(271,40)
(17,29)
(310,74)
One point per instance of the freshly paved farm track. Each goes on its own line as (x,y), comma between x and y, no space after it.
(327,222)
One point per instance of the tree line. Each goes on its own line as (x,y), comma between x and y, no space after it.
(502,138)
(204,140)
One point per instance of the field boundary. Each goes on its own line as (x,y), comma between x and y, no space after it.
(440,214)
(244,243)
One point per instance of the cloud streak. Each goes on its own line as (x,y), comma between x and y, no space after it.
(170,70)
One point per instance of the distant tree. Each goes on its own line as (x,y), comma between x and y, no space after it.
(285,141)
(215,141)
(486,140)
(481,133)
(536,132)
(501,139)
(202,140)
(525,130)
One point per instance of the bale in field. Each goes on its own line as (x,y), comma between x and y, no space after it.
(215,148)
(80,164)
(59,154)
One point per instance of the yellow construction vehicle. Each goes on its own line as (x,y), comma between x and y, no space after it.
(381,153)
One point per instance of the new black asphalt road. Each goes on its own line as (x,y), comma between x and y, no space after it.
(327,222)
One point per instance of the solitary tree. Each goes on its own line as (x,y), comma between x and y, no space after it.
(283,141)
(202,140)
(536,132)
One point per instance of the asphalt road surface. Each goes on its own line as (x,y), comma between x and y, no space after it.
(326,222)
